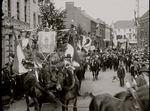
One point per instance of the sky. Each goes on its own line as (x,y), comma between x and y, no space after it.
(108,10)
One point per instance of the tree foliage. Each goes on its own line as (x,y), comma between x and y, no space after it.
(52,16)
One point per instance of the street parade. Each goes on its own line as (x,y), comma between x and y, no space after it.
(61,65)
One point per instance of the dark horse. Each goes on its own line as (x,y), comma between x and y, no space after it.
(80,72)
(34,90)
(94,67)
(69,88)
(138,101)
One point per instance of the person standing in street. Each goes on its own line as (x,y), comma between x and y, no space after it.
(121,75)
(135,63)
(115,63)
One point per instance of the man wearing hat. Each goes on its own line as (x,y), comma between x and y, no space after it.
(121,74)
(140,78)
(69,66)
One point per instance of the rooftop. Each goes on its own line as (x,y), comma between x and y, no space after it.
(124,24)
(145,15)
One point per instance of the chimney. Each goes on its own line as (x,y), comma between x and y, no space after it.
(69,4)
(79,8)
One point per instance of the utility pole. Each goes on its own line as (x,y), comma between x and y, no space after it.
(138,27)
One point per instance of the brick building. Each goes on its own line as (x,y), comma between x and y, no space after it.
(144,29)
(18,15)
(77,16)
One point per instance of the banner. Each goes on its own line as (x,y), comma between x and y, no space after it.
(18,68)
(47,41)
(25,42)
(86,43)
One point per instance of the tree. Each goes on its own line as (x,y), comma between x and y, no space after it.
(52,16)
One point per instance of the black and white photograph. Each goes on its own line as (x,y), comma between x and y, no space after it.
(75,55)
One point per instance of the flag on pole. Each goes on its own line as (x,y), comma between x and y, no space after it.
(18,68)
(135,17)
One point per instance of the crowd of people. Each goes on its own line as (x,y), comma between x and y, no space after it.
(12,84)
(133,61)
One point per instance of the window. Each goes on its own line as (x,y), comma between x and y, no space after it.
(118,30)
(145,34)
(124,30)
(9,8)
(124,36)
(25,11)
(39,19)
(34,19)
(145,23)
(130,30)
(18,10)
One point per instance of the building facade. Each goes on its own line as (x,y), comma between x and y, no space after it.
(18,16)
(77,16)
(108,36)
(144,30)
(126,32)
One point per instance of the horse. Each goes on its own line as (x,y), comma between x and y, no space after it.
(38,93)
(69,88)
(80,74)
(123,101)
(94,67)
(41,92)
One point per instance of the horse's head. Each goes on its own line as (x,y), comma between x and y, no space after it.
(65,79)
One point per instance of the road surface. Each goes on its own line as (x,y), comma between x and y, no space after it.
(104,84)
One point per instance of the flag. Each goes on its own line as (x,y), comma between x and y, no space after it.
(72,42)
(18,67)
(97,26)
(25,42)
(135,17)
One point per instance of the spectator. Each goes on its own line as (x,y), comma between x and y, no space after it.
(135,63)
(132,70)
(6,82)
(121,74)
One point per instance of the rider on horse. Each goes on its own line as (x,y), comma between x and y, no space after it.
(69,65)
